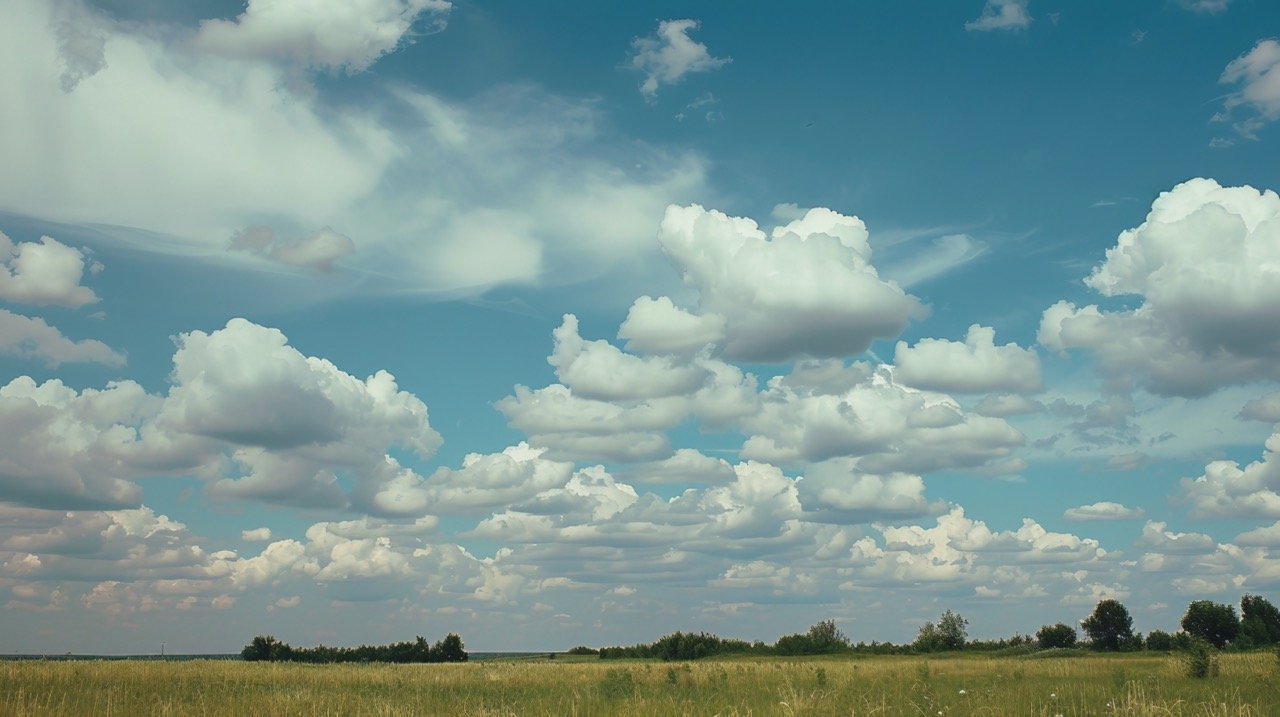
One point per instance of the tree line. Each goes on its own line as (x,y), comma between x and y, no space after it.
(1108,628)
(268,649)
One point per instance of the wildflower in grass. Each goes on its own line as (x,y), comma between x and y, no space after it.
(962,693)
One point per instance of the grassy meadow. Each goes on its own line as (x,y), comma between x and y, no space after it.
(1132,684)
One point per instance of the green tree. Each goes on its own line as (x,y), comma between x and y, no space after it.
(927,639)
(1109,627)
(1060,635)
(952,631)
(1212,622)
(450,649)
(266,648)
(1259,621)
(1159,640)
(826,638)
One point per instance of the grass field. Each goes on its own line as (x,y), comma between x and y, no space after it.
(1137,684)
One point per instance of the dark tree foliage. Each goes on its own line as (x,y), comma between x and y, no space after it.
(1060,635)
(1160,641)
(1259,622)
(265,647)
(1212,622)
(1109,627)
(823,638)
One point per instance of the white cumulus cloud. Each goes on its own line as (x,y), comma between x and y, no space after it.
(975,366)
(670,54)
(345,35)
(1206,264)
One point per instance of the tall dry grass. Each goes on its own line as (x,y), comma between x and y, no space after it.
(1141,685)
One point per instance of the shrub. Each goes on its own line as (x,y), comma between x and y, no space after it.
(1201,660)
(1159,640)
(1060,635)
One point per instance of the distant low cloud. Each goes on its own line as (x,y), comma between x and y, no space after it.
(1256,101)
(318,251)
(32,338)
(1264,408)
(1208,7)
(347,35)
(670,54)
(1001,15)
(1105,510)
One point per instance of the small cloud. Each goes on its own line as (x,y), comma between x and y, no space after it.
(1104,510)
(318,251)
(1138,36)
(1008,15)
(1221,143)
(670,54)
(1264,408)
(1257,96)
(257,535)
(1207,7)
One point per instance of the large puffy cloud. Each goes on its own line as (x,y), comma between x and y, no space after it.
(599,370)
(69,449)
(1226,490)
(835,491)
(238,124)
(810,289)
(329,34)
(245,410)
(295,421)
(244,384)
(658,326)
(670,54)
(887,426)
(510,186)
(617,406)
(1206,264)
(490,482)
(43,274)
(975,366)
(32,338)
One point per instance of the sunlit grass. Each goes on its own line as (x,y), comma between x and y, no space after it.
(1139,684)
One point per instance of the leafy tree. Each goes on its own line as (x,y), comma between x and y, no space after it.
(1159,640)
(450,649)
(1060,635)
(266,648)
(1259,621)
(952,632)
(827,638)
(1212,622)
(1109,627)
(927,639)
(949,633)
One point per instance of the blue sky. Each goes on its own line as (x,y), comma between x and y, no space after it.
(549,325)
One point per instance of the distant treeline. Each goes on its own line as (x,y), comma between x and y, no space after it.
(267,648)
(1110,628)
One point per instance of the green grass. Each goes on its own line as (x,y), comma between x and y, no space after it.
(1138,684)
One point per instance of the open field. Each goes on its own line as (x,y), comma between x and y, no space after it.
(1136,684)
